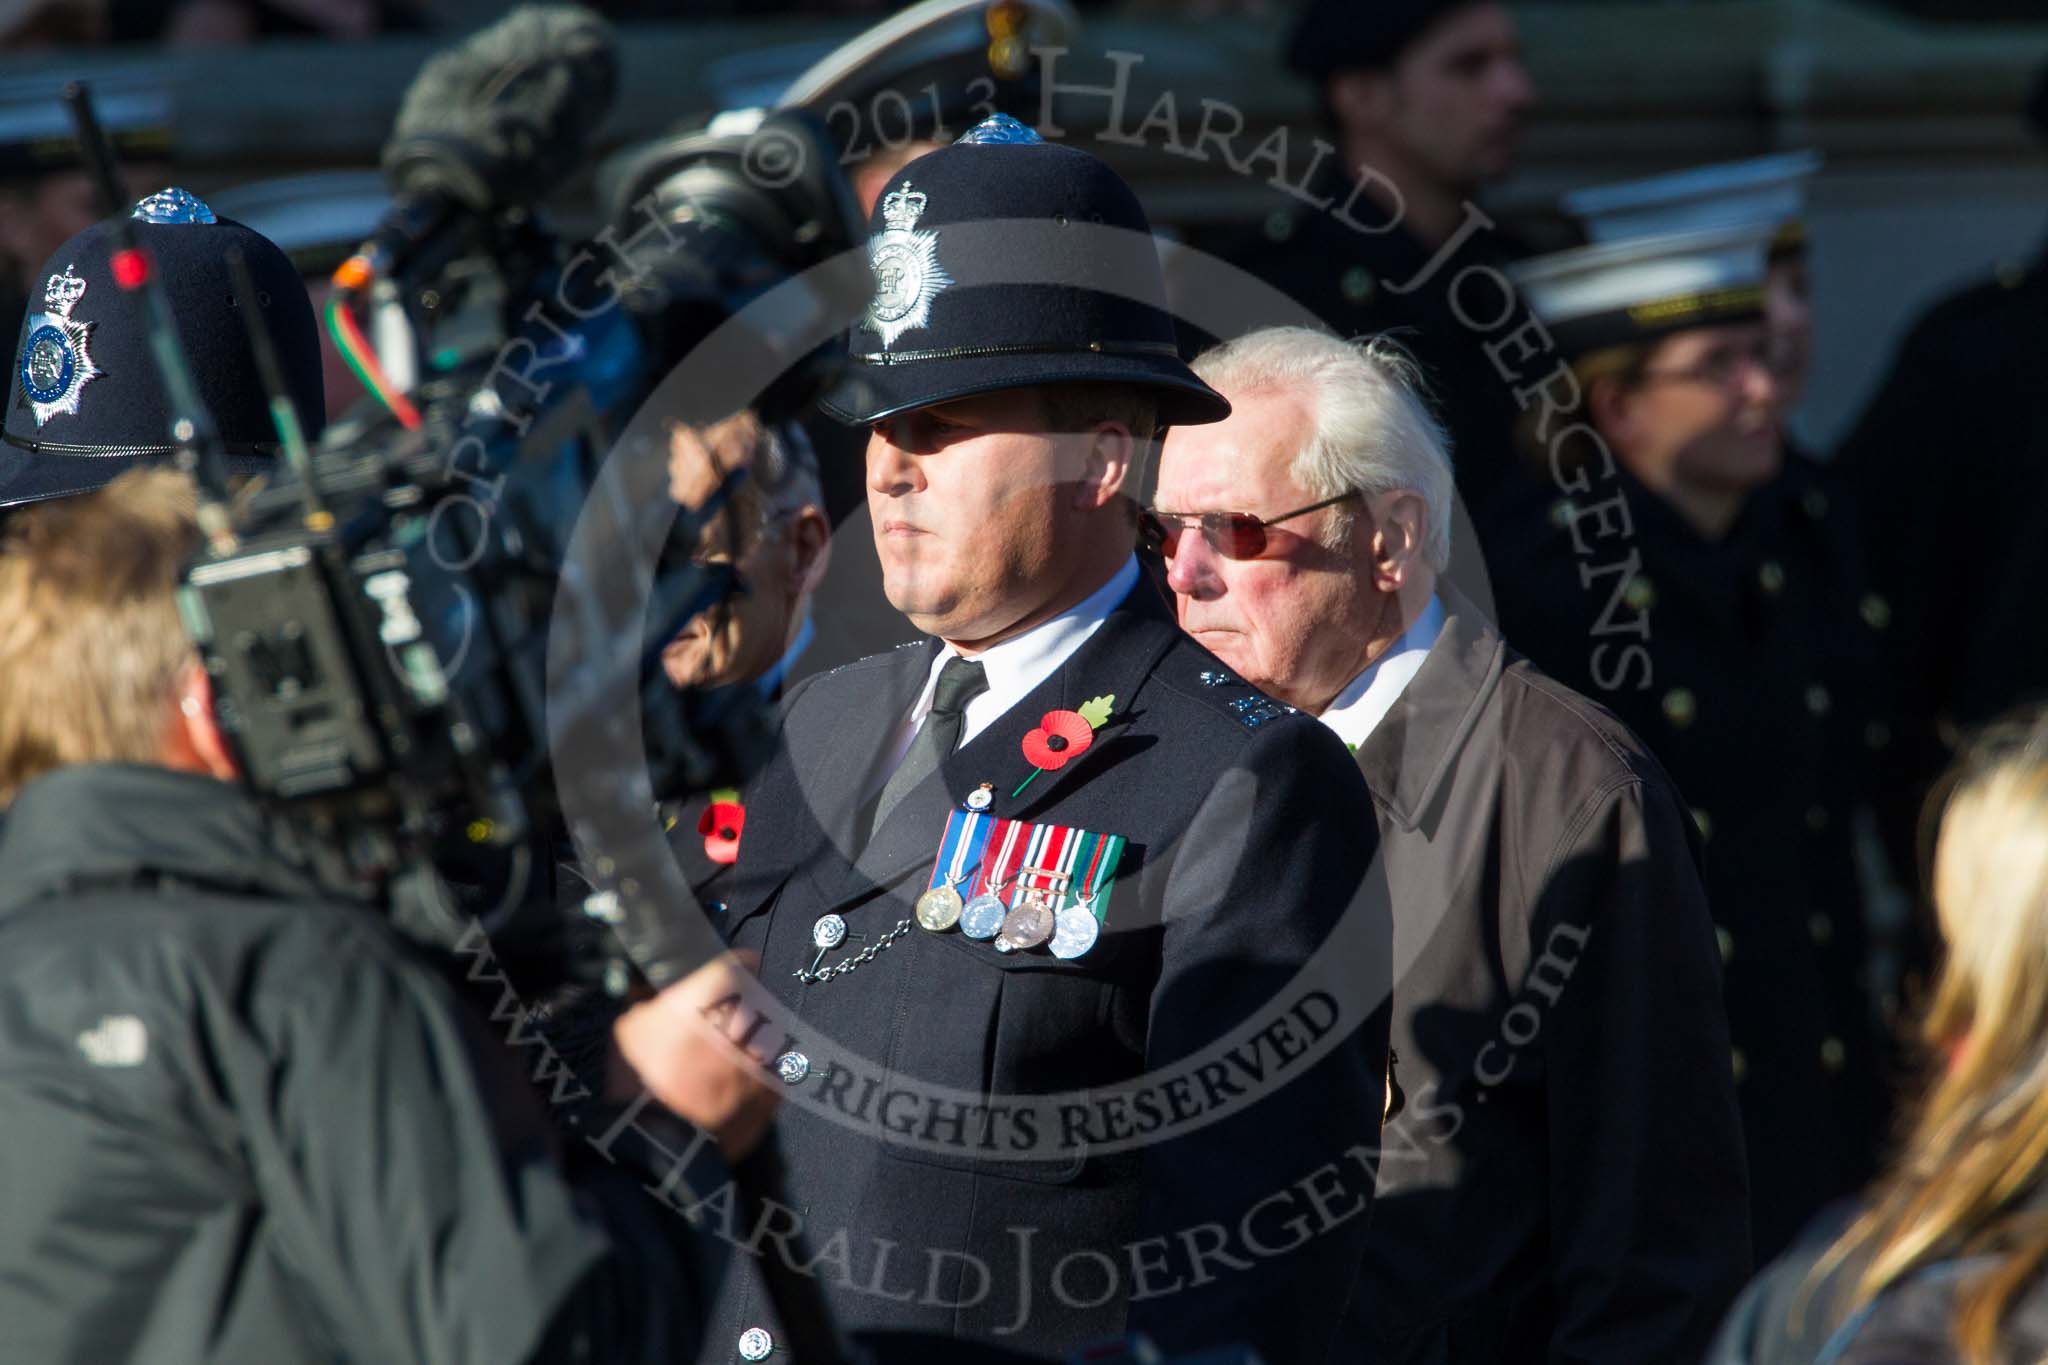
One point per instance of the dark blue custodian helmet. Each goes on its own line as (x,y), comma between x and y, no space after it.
(1005,262)
(85,400)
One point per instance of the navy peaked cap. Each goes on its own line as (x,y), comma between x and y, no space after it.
(85,400)
(1007,262)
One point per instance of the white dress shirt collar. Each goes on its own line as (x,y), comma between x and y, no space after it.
(1367,698)
(1018,665)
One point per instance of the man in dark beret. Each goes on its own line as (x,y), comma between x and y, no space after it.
(1020,886)
(1425,101)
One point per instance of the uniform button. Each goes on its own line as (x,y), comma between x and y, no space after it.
(1680,706)
(1737,1065)
(1821,927)
(1815,502)
(1770,576)
(1562,512)
(1726,941)
(1279,225)
(1832,1054)
(1357,284)
(1877,613)
(1640,593)
(1818,701)
(756,1344)
(1877,734)
(1705,822)
(792,1067)
(1817,818)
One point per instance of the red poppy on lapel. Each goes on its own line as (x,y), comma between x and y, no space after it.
(721,825)
(1061,736)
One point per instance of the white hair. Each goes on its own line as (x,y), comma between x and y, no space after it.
(1371,429)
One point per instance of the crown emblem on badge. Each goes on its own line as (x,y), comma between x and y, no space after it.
(908,275)
(902,207)
(63,292)
(55,364)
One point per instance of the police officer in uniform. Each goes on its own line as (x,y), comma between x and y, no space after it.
(245,1121)
(1773,190)
(1054,848)
(1425,100)
(1689,581)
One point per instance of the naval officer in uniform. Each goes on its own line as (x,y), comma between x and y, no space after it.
(1684,582)
(1083,966)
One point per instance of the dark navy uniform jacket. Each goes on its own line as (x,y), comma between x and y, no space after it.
(1949,467)
(1221,1199)
(1748,666)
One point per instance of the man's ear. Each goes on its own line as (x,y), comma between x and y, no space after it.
(1108,465)
(1361,98)
(195,743)
(1612,406)
(1399,527)
(810,547)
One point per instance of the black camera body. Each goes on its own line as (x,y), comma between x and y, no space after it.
(386,634)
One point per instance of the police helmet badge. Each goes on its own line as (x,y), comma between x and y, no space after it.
(55,362)
(908,275)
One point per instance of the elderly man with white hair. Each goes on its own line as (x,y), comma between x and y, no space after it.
(1565,1179)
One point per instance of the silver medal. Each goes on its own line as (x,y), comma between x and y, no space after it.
(983,916)
(1074,932)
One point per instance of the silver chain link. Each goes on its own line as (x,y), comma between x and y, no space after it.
(866,954)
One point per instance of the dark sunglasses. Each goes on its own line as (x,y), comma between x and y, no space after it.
(1234,535)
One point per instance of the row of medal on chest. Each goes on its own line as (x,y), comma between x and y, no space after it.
(1020,885)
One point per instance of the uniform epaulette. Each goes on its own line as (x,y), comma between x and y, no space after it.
(1244,703)
(870,658)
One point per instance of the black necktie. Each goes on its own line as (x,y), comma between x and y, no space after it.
(960,682)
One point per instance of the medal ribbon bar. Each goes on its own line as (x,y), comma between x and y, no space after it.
(1092,894)
(967,835)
